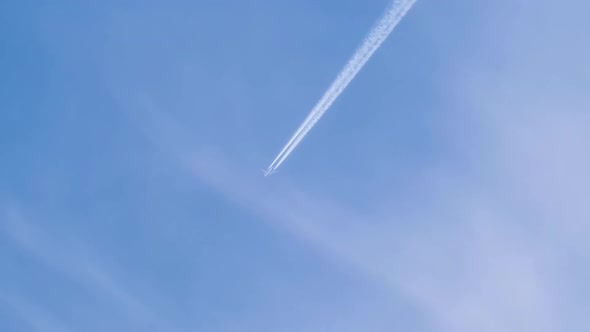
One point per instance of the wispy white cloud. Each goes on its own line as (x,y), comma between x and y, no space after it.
(497,244)
(74,260)
(36,318)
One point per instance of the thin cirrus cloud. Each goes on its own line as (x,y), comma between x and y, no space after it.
(73,261)
(500,242)
(492,237)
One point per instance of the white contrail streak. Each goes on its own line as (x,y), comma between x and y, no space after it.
(376,37)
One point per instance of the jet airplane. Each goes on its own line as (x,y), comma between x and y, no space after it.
(268,172)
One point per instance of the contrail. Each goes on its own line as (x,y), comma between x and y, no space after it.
(376,37)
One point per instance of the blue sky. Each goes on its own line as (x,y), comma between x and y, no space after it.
(446,190)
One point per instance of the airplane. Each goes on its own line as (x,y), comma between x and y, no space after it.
(268,172)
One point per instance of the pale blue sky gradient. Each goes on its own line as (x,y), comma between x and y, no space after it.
(446,190)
